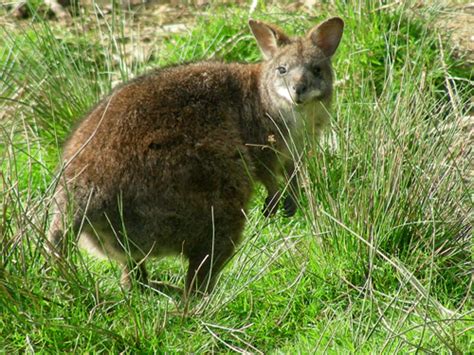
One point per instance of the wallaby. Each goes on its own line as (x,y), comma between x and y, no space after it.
(167,162)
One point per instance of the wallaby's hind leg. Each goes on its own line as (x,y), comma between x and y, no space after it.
(134,273)
(205,266)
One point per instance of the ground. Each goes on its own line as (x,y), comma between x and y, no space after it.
(456,18)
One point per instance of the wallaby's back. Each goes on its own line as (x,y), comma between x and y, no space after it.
(154,127)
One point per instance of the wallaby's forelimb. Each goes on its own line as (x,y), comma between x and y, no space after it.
(289,204)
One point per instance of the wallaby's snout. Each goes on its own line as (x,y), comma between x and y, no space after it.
(300,90)
(304,85)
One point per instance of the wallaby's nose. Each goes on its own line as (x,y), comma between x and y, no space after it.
(300,89)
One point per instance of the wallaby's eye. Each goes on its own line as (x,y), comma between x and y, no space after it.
(282,70)
(316,70)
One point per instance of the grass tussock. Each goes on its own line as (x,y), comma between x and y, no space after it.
(378,258)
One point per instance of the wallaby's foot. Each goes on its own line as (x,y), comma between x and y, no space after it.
(289,206)
(271,204)
(134,274)
(167,288)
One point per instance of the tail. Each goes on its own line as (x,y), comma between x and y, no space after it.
(57,233)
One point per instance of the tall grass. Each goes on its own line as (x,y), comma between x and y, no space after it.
(378,258)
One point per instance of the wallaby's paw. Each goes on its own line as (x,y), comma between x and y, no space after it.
(271,205)
(289,205)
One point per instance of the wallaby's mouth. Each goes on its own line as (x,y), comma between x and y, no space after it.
(313,95)
(301,99)
(298,99)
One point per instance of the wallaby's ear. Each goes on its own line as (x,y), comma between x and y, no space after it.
(269,37)
(327,35)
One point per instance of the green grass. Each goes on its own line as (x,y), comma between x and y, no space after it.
(378,258)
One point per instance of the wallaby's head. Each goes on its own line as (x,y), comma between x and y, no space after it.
(297,70)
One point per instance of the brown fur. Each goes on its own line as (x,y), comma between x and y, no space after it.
(167,162)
